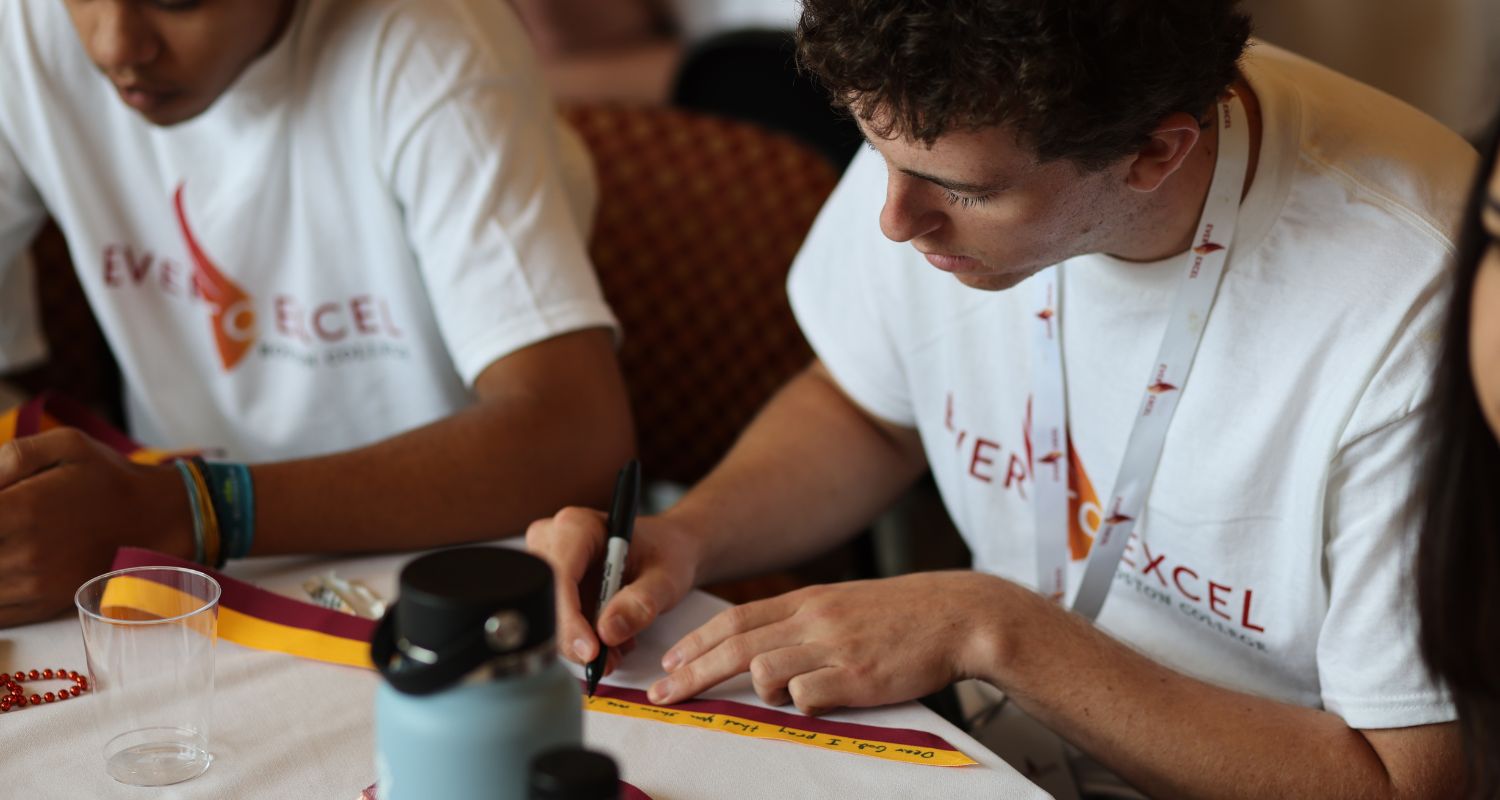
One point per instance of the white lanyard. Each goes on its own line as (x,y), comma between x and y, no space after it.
(1203,264)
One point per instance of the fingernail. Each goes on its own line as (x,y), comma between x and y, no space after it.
(670,661)
(615,629)
(660,692)
(581,649)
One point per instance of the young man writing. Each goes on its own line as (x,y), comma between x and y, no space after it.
(1082,172)
(343,241)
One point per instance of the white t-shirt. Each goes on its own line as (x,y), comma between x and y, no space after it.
(1272,556)
(382,205)
(702,19)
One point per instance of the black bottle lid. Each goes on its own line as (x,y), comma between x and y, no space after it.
(573,773)
(458,609)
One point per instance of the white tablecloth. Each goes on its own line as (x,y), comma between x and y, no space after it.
(287,728)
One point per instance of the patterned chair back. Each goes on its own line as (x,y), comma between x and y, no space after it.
(699,219)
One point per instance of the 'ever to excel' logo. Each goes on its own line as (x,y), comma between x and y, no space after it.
(233,310)
(1213,592)
(352,327)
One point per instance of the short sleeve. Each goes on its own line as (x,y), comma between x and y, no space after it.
(1369,666)
(21,214)
(835,293)
(488,180)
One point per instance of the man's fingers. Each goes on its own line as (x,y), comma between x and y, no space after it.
(24,457)
(821,691)
(773,670)
(729,658)
(638,604)
(727,623)
(570,541)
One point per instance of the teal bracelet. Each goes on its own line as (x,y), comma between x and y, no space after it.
(232,493)
(192,490)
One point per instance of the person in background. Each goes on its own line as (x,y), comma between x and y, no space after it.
(733,58)
(1442,56)
(340,242)
(1000,290)
(1458,506)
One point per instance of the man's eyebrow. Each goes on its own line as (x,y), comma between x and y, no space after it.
(952,186)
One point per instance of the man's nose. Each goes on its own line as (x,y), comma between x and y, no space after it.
(119,37)
(907,213)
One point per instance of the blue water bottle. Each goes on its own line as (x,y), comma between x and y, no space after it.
(473,687)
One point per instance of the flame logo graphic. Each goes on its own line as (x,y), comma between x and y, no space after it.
(1117,518)
(1046,315)
(1051,458)
(233,309)
(1161,387)
(1208,247)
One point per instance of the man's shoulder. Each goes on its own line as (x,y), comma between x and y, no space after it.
(35,37)
(1375,148)
(395,29)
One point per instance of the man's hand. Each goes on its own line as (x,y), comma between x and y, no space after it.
(66,503)
(863,643)
(659,571)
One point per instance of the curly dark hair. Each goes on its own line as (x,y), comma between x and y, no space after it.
(1082,80)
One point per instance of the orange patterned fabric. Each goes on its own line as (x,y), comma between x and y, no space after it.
(698,222)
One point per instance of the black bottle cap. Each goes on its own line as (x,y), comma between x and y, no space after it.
(459,608)
(573,773)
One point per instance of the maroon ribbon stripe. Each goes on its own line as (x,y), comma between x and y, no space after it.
(847,730)
(73,414)
(257,602)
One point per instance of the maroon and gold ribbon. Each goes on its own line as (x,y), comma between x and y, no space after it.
(50,410)
(253,617)
(742,719)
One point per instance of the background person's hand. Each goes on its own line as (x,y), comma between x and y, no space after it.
(862,643)
(660,569)
(67,502)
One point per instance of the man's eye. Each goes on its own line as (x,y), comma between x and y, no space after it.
(966,200)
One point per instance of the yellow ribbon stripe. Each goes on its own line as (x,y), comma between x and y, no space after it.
(249,631)
(761,730)
(126,594)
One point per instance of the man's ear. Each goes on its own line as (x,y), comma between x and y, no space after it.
(1164,153)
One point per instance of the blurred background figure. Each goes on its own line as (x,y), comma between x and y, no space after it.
(1458,566)
(1442,56)
(734,58)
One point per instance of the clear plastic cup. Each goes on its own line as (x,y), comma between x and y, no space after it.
(148,634)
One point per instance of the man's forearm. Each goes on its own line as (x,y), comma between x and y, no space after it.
(484,472)
(811,470)
(1173,736)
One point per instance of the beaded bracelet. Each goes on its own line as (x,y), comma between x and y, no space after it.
(212,543)
(233,495)
(195,503)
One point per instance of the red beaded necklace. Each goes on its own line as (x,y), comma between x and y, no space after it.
(15,697)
